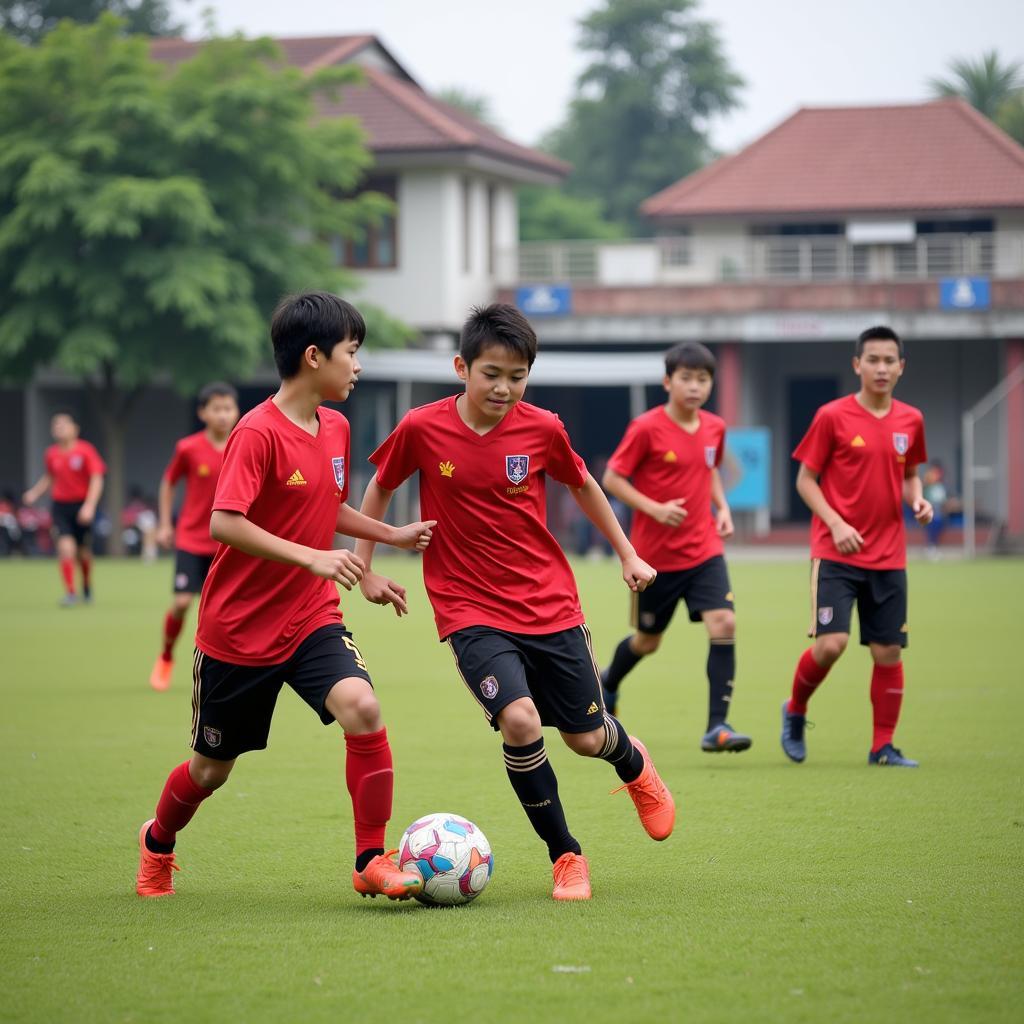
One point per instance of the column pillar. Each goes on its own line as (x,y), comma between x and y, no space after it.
(728,383)
(1013,358)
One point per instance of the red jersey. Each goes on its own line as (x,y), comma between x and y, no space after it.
(492,560)
(71,468)
(197,461)
(862,461)
(254,611)
(663,461)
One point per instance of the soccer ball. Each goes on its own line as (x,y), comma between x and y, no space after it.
(451,854)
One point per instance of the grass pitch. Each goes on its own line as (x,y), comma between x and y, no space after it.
(825,891)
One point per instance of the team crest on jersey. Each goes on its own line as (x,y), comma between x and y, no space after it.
(202,469)
(825,615)
(489,687)
(211,735)
(339,471)
(517,467)
(710,451)
(901,442)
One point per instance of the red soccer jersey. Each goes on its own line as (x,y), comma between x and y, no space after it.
(195,459)
(492,561)
(862,462)
(663,461)
(254,611)
(71,468)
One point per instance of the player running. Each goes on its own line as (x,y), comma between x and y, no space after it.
(269,611)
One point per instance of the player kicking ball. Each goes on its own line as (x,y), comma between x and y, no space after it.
(858,464)
(197,460)
(503,595)
(269,611)
(666,469)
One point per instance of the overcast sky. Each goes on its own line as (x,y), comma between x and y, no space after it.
(521,54)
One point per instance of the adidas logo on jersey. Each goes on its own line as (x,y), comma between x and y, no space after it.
(593,709)
(858,442)
(296,480)
(670,456)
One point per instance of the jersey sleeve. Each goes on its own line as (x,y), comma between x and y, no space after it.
(246,460)
(631,451)
(918,449)
(816,447)
(563,464)
(720,448)
(178,466)
(396,457)
(94,461)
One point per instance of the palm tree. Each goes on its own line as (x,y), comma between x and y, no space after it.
(986,83)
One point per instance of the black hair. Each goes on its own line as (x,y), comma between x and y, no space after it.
(879,333)
(692,356)
(65,412)
(312,318)
(216,389)
(497,324)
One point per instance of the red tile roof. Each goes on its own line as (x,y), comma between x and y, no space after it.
(941,155)
(397,115)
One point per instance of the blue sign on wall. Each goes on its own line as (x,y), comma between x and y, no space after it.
(746,468)
(965,293)
(545,299)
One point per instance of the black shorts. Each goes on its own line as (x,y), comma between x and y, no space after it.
(881,596)
(65,521)
(232,705)
(190,571)
(556,670)
(704,588)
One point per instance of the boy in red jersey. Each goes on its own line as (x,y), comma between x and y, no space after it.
(666,469)
(197,460)
(503,595)
(75,471)
(858,464)
(269,610)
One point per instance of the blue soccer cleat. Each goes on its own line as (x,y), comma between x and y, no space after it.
(793,726)
(891,757)
(724,738)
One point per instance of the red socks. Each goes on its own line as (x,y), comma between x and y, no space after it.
(172,627)
(807,678)
(178,802)
(370,778)
(67,572)
(886,698)
(85,562)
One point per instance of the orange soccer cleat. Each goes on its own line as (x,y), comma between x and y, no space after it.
(383,877)
(160,677)
(572,877)
(155,876)
(654,804)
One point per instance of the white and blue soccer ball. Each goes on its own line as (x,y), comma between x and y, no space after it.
(452,855)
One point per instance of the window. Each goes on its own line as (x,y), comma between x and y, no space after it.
(378,248)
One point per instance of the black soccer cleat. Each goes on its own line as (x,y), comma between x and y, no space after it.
(724,738)
(611,697)
(793,725)
(891,757)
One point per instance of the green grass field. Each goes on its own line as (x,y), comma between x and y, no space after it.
(826,891)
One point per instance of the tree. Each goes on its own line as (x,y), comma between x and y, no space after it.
(549,214)
(640,117)
(30,20)
(986,83)
(1010,116)
(149,220)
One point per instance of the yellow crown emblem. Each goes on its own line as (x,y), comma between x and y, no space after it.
(447,468)
(670,456)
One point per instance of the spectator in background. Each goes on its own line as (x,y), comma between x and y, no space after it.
(935,491)
(138,523)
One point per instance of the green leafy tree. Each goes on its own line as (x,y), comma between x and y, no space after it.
(30,20)
(986,83)
(639,120)
(149,220)
(475,104)
(1010,116)
(547,214)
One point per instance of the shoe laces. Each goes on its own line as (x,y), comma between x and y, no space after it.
(383,862)
(643,789)
(570,869)
(157,867)
(797,725)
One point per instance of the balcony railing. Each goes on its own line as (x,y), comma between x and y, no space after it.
(708,259)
